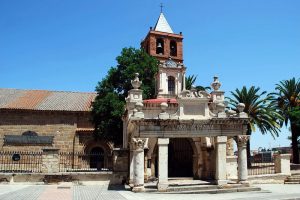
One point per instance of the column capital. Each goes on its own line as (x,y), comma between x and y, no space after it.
(138,143)
(241,140)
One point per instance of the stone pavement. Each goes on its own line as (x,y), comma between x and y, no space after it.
(93,192)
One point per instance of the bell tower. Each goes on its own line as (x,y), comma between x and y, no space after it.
(162,43)
(165,45)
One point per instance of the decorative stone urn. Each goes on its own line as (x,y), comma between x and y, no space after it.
(136,83)
(216,84)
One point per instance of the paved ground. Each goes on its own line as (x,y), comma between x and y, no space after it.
(51,192)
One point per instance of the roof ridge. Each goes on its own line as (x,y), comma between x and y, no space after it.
(48,90)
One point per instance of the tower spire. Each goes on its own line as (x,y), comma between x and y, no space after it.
(161,7)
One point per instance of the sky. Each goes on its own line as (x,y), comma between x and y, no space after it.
(69,45)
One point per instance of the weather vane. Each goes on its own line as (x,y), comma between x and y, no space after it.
(161,7)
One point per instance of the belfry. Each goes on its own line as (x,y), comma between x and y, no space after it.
(181,133)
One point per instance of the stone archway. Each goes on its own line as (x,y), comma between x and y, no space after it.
(180,158)
(99,154)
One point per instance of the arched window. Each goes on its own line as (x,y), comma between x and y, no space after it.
(173,48)
(160,46)
(171,85)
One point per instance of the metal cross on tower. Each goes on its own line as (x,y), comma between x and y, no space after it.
(161,7)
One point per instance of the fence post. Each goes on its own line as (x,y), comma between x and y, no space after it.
(282,164)
(50,160)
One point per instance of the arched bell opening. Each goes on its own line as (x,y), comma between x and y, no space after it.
(160,46)
(173,48)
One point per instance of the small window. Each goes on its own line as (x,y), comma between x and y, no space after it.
(171,85)
(173,48)
(160,46)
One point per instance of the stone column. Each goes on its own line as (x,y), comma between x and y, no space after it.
(220,176)
(131,165)
(162,184)
(241,141)
(50,160)
(138,164)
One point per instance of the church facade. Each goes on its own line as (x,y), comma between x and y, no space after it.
(180,133)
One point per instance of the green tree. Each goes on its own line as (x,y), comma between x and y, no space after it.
(191,80)
(108,107)
(262,114)
(287,99)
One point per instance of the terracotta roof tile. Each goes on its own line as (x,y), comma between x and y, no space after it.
(45,100)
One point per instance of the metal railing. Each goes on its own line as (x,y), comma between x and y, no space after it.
(261,165)
(20,162)
(82,162)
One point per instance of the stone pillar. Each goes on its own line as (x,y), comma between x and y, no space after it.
(220,175)
(162,184)
(131,165)
(282,164)
(50,160)
(138,164)
(241,141)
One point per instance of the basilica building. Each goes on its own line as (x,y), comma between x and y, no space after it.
(180,133)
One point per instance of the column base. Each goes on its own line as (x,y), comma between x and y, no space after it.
(244,183)
(162,187)
(221,182)
(138,189)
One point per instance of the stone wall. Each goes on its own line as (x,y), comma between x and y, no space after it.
(61,125)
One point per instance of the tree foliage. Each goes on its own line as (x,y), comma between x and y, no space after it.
(108,107)
(191,80)
(287,99)
(261,113)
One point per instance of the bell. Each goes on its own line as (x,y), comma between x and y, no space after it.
(159,45)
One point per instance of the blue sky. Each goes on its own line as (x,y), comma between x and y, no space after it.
(70,44)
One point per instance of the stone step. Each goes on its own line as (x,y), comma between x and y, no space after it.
(214,191)
(292,182)
(192,187)
(293,178)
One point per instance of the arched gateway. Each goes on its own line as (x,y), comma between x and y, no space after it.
(181,132)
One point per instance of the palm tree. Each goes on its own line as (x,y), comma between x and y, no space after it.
(262,114)
(190,81)
(287,99)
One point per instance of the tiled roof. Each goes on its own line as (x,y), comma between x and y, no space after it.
(162,24)
(45,100)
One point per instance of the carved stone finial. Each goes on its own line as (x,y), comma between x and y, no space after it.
(163,106)
(240,107)
(216,84)
(163,114)
(137,111)
(241,140)
(136,83)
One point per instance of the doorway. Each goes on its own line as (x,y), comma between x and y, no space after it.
(97,158)
(180,158)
